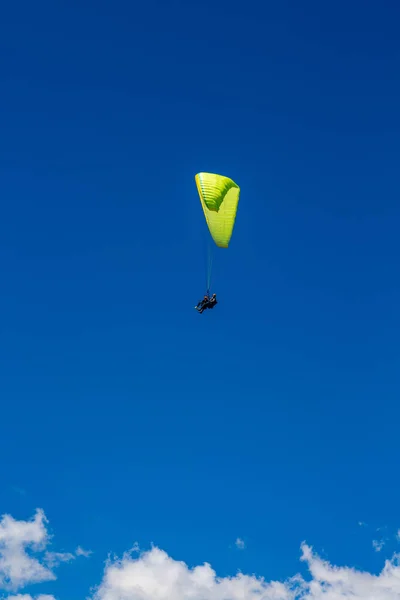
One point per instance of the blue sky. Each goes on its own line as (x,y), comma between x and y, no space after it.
(126,416)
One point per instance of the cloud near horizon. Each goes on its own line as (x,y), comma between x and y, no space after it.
(154,575)
(17,567)
(19,542)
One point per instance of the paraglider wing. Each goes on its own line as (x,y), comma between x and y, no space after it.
(219,198)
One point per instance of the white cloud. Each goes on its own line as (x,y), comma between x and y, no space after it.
(240,544)
(344,583)
(53,559)
(29,597)
(154,575)
(81,552)
(378,545)
(17,567)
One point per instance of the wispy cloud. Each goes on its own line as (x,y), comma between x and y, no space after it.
(29,597)
(81,552)
(53,559)
(18,490)
(240,544)
(378,545)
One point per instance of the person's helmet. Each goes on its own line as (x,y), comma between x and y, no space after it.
(214,295)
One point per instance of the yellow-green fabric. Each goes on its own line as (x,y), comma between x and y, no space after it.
(219,198)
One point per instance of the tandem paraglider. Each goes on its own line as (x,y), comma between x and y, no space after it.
(219,197)
(207,302)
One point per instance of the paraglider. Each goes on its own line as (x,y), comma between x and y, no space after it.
(206,303)
(219,197)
